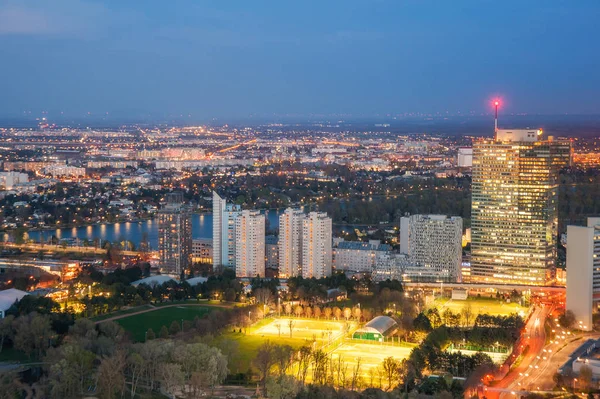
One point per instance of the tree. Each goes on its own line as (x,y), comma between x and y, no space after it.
(288,309)
(347,313)
(174,328)
(164,332)
(33,333)
(136,368)
(308,311)
(291,324)
(263,296)
(282,387)
(150,335)
(357,313)
(467,314)
(171,376)
(391,369)
(263,361)
(110,375)
(567,319)
(317,312)
(6,329)
(298,311)
(71,370)
(327,312)
(282,355)
(337,313)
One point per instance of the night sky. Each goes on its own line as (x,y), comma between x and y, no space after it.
(250,57)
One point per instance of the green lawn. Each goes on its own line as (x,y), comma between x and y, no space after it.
(491,306)
(138,324)
(248,347)
(12,355)
(120,312)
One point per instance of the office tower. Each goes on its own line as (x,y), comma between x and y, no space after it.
(433,243)
(358,256)
(583,272)
(316,245)
(250,244)
(175,235)
(290,242)
(224,216)
(514,215)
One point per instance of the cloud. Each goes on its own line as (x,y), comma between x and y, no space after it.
(50,18)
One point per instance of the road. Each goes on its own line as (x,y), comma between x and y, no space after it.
(534,337)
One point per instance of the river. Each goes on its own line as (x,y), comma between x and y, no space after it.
(202,225)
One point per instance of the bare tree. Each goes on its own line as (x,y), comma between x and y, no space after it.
(467,314)
(291,324)
(278,326)
(355,381)
(263,361)
(390,368)
(347,313)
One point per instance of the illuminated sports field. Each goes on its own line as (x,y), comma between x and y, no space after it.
(305,329)
(371,355)
(493,307)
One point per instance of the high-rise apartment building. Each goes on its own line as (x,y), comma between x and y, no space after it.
(224,216)
(514,215)
(174,235)
(250,244)
(583,272)
(433,243)
(291,224)
(316,245)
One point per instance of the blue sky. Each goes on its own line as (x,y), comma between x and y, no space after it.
(240,58)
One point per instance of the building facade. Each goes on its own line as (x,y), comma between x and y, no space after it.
(356,256)
(202,250)
(224,216)
(271,252)
(291,225)
(250,244)
(514,214)
(316,245)
(433,243)
(175,235)
(583,272)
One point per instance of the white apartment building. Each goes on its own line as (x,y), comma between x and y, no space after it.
(250,244)
(224,216)
(357,256)
(390,266)
(60,170)
(433,243)
(583,271)
(10,179)
(465,157)
(291,225)
(316,245)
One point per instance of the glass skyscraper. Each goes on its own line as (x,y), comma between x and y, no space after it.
(514,216)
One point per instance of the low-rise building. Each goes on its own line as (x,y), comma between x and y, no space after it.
(357,256)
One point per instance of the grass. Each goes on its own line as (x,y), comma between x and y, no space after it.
(120,312)
(248,347)
(491,306)
(12,355)
(138,324)
(266,330)
(371,355)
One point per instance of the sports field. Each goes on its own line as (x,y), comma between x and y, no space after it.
(480,306)
(138,324)
(371,355)
(304,329)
